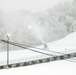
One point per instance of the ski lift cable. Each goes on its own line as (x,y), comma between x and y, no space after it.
(47,50)
(17,44)
(27,48)
(37,48)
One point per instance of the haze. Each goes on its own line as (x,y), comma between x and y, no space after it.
(29,5)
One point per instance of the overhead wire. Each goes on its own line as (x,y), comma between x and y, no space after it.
(19,45)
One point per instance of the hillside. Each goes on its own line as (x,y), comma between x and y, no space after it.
(66,43)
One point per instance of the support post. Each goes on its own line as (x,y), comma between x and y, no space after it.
(7,53)
(8,38)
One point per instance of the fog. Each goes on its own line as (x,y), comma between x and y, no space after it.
(37,28)
(29,5)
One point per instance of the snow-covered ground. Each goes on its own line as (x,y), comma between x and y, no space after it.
(68,42)
(51,68)
(65,45)
(20,56)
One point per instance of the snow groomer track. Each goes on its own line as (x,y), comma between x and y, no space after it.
(36,56)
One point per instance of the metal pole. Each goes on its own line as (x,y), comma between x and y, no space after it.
(7,53)
(7,50)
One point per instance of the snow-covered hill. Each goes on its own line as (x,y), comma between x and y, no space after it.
(52,68)
(66,43)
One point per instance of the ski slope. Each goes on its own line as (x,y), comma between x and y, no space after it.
(52,68)
(68,42)
(65,45)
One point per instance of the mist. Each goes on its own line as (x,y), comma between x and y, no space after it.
(37,28)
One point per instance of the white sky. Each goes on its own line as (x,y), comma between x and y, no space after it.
(31,5)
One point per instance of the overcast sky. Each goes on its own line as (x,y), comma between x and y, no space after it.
(31,5)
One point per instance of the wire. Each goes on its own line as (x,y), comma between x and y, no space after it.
(17,44)
(36,48)
(27,48)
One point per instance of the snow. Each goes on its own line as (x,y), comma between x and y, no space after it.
(20,56)
(52,68)
(62,67)
(66,43)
